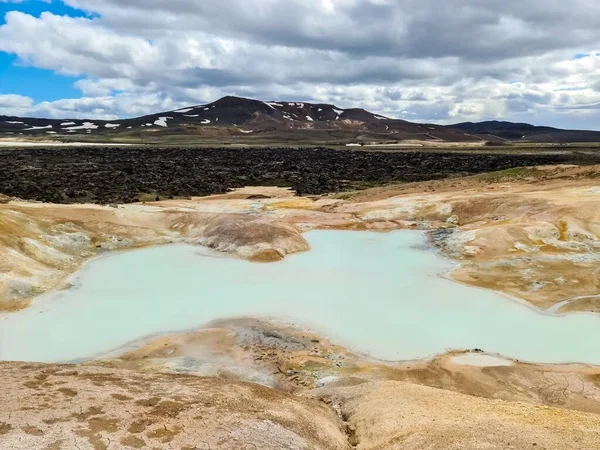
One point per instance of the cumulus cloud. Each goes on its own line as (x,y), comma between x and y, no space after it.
(427,60)
(104,107)
(14,105)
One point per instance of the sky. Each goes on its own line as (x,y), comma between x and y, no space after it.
(438,61)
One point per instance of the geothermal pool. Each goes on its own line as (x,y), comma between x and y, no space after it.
(379,294)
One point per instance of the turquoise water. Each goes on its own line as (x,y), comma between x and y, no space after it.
(379,294)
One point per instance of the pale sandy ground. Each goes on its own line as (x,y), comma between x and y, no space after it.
(188,391)
(61,407)
(57,407)
(429,144)
(26,143)
(396,415)
(533,234)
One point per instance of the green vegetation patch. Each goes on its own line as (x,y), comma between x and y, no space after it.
(510,174)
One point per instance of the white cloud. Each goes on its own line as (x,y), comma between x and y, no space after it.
(105,107)
(14,105)
(428,60)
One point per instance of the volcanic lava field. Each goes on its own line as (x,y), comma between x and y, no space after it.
(130,174)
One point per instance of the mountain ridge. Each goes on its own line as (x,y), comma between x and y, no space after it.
(233,118)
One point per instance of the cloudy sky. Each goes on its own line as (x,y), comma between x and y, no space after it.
(437,61)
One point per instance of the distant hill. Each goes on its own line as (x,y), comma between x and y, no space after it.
(235,119)
(495,130)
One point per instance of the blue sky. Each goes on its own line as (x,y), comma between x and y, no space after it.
(39,84)
(123,58)
(19,78)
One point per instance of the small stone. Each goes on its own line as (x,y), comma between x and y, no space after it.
(4,199)
(453,220)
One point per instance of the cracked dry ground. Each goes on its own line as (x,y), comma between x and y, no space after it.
(58,407)
(85,407)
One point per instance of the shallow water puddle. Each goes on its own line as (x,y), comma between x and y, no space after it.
(379,294)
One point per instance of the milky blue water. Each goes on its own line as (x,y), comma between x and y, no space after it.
(379,294)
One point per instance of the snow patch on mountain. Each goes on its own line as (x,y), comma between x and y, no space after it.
(85,126)
(38,128)
(310,119)
(205,121)
(273,105)
(15,122)
(185,110)
(112,125)
(66,124)
(162,121)
(339,112)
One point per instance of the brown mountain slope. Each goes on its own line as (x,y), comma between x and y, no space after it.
(231,119)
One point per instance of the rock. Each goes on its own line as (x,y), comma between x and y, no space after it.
(249,238)
(576,231)
(58,176)
(453,220)
(544,232)
(4,199)
(266,255)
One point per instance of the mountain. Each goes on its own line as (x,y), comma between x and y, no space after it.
(495,131)
(235,119)
(241,120)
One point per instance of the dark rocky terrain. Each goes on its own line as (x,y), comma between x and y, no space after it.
(129,174)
